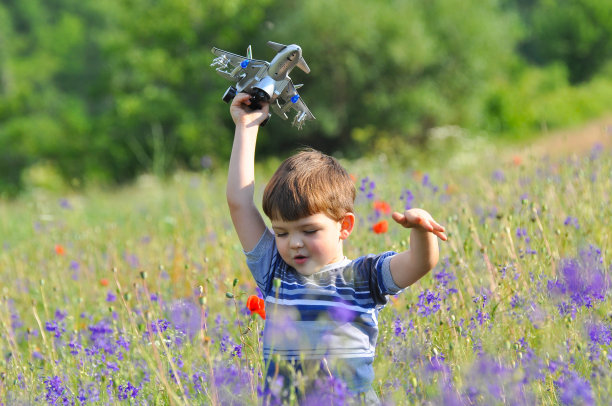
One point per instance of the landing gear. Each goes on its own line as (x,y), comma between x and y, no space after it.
(229,95)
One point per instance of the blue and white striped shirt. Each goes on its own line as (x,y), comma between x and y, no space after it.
(332,314)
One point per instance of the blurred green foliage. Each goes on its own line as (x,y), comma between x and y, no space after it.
(103,91)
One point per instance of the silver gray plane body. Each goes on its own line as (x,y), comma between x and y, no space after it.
(266,81)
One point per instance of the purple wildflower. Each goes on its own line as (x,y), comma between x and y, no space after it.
(582,279)
(75,267)
(65,204)
(408,197)
(56,394)
(111,297)
(573,389)
(521,232)
(398,327)
(429,303)
(123,342)
(127,391)
(56,326)
(15,318)
(367,186)
(596,151)
(132,260)
(332,391)
(499,176)
(599,333)
(237,351)
(225,341)
(572,221)
(425,181)
(481,317)
(75,344)
(198,378)
(88,394)
(186,316)
(443,278)
(516,301)
(101,338)
(232,383)
(160,325)
(436,364)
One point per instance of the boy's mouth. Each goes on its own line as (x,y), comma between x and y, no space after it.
(300,259)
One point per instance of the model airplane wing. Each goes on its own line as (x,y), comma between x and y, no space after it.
(292,100)
(236,67)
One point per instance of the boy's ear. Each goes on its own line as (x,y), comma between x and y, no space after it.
(346,225)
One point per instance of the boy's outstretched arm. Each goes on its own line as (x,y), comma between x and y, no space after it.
(240,187)
(409,266)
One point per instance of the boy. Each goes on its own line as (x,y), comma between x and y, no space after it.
(321,307)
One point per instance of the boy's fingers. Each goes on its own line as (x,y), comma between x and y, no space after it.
(429,226)
(241,98)
(438,226)
(398,217)
(441,235)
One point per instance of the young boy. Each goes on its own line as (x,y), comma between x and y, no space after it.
(321,308)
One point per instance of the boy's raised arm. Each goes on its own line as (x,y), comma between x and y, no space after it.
(240,187)
(409,266)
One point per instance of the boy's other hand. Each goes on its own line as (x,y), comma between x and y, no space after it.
(419,218)
(243,115)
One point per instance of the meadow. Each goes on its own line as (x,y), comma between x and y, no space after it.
(138,295)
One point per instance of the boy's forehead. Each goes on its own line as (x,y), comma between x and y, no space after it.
(318,218)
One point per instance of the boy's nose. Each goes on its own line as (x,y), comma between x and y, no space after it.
(296,242)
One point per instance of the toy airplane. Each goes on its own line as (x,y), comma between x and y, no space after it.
(266,81)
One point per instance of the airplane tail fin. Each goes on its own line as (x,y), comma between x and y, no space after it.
(303,65)
(276,46)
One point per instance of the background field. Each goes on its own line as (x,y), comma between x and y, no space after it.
(137,295)
(123,281)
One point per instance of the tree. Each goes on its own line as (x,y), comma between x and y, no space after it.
(576,33)
(393,68)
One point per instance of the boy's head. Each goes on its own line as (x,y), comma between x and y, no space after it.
(308,183)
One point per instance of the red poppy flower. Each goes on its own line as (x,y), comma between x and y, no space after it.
(104,282)
(380,227)
(382,207)
(59,249)
(256,305)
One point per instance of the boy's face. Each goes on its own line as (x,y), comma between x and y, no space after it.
(310,243)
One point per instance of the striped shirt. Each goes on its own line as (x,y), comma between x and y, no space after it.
(331,315)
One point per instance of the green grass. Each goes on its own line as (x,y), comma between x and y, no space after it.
(81,273)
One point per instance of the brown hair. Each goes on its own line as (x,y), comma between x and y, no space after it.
(307,183)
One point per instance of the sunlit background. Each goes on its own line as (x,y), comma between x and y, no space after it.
(122,280)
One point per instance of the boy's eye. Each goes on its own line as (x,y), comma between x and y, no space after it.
(310,231)
(281,234)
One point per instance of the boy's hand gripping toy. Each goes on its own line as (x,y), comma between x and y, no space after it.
(266,81)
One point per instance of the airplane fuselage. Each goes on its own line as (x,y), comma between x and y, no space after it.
(284,62)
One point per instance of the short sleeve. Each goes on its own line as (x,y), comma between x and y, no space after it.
(376,270)
(260,258)
(387,279)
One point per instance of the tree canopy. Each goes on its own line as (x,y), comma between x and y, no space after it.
(102,91)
